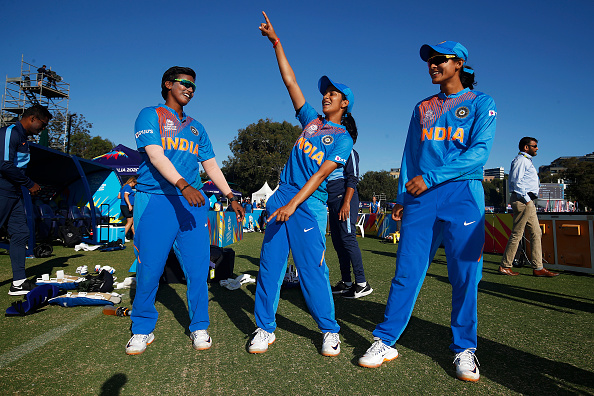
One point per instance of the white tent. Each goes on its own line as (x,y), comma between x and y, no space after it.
(263,193)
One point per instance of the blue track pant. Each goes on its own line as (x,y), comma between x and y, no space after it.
(454,213)
(12,213)
(304,234)
(161,220)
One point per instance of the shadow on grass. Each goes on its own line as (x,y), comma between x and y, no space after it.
(168,296)
(381,253)
(539,298)
(251,259)
(46,267)
(236,304)
(514,369)
(113,385)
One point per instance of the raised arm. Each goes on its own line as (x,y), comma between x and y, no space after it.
(283,64)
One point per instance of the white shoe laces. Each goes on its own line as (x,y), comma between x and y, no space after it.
(333,338)
(138,339)
(376,348)
(467,358)
(261,335)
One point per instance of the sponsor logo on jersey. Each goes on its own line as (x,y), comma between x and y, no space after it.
(338,159)
(462,112)
(137,134)
(327,140)
(179,144)
(312,151)
(194,130)
(311,129)
(440,133)
(169,126)
(492,113)
(429,116)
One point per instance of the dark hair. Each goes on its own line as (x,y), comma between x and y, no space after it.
(525,141)
(467,79)
(348,122)
(38,111)
(171,74)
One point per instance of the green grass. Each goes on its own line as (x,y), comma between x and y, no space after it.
(536,337)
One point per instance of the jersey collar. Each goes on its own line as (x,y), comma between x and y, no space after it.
(175,112)
(444,96)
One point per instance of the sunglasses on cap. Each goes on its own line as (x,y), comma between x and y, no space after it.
(186,83)
(439,59)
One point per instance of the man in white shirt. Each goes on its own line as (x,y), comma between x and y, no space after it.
(524,186)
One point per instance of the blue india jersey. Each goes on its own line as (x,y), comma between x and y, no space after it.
(320,140)
(449,138)
(184,141)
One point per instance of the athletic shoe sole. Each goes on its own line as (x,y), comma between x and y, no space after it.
(18,293)
(139,352)
(359,295)
(377,365)
(203,348)
(332,353)
(471,379)
(262,350)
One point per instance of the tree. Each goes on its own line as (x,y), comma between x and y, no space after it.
(580,178)
(377,183)
(494,192)
(260,152)
(81,143)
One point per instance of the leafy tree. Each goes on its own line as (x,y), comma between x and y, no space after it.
(260,152)
(494,192)
(377,183)
(81,143)
(580,178)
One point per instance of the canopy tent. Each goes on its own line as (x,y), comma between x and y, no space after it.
(210,188)
(66,181)
(263,193)
(124,160)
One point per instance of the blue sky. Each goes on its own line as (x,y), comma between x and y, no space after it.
(533,57)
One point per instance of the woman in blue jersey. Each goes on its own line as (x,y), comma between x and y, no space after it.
(297,209)
(170,208)
(126,196)
(440,199)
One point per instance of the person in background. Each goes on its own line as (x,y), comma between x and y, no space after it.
(524,186)
(14,157)
(374,207)
(126,196)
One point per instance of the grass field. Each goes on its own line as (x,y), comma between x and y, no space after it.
(536,337)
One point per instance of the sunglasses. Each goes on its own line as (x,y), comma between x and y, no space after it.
(439,59)
(532,145)
(186,83)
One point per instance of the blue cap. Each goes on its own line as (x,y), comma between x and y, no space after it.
(325,81)
(444,48)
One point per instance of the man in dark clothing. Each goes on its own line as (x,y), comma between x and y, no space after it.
(14,156)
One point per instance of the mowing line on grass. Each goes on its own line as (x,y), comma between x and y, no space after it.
(41,340)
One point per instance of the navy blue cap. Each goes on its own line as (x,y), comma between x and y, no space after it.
(444,48)
(325,81)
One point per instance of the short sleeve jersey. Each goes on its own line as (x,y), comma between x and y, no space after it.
(126,189)
(184,142)
(449,138)
(320,140)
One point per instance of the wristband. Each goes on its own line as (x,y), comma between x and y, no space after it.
(276,43)
(186,186)
(233,198)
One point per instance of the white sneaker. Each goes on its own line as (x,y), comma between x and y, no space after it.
(466,369)
(331,344)
(201,340)
(138,343)
(261,340)
(377,353)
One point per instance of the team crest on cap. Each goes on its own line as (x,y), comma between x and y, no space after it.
(462,112)
(327,140)
(194,130)
(311,129)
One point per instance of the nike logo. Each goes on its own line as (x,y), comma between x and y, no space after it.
(307,229)
(335,347)
(466,224)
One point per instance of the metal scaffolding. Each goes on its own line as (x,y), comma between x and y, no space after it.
(32,88)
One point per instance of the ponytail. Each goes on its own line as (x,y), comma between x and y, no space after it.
(349,123)
(467,77)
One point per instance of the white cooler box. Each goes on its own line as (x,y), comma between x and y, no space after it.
(113,233)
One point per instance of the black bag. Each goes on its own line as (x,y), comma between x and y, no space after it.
(70,234)
(43,250)
(223,259)
(97,283)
